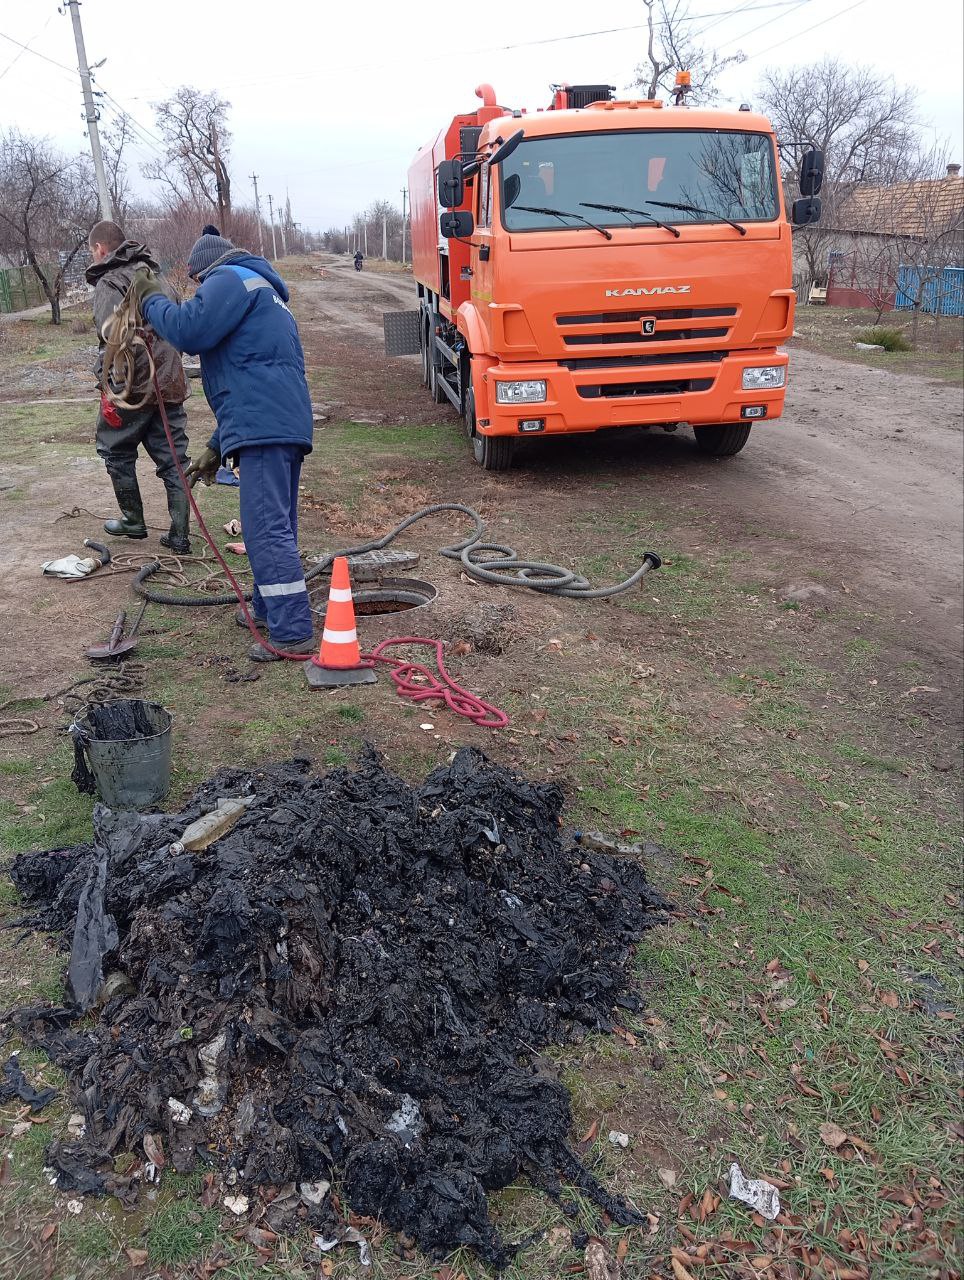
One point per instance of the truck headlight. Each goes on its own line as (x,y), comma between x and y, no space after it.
(767,378)
(529,392)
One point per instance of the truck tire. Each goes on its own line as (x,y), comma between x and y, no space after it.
(468,401)
(435,378)
(492,453)
(722,441)
(424,351)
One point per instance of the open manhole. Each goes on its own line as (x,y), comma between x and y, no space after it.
(393,595)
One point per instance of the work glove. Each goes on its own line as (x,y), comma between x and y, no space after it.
(203,468)
(143,285)
(71,567)
(108,411)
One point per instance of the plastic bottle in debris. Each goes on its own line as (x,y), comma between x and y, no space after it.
(212,826)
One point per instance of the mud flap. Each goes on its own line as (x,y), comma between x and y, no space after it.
(401,332)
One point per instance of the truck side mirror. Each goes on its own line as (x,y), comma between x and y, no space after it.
(811,173)
(506,149)
(458,225)
(805,211)
(451,185)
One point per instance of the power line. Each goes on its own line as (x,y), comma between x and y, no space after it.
(71,71)
(718,19)
(147,138)
(797,4)
(26,48)
(796,35)
(525,44)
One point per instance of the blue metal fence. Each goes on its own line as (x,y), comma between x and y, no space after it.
(942,294)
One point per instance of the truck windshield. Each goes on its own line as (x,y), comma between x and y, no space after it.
(690,176)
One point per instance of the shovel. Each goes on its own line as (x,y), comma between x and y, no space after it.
(118,644)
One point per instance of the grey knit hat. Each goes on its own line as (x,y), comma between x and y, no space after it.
(206,252)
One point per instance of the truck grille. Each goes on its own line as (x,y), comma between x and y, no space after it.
(643,362)
(609,328)
(661,335)
(627,317)
(626,390)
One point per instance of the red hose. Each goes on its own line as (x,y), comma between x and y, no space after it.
(442,687)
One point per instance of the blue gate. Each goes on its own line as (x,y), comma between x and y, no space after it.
(942,294)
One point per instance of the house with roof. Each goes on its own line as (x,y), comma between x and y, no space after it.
(899,246)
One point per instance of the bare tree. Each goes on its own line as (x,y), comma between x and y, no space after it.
(47,206)
(923,217)
(194,168)
(114,141)
(864,123)
(672,46)
(334,240)
(170,232)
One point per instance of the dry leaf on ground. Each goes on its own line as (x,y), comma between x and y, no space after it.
(832,1134)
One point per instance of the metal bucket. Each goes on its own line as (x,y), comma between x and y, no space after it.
(128,748)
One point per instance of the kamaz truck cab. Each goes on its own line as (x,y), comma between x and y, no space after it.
(603,264)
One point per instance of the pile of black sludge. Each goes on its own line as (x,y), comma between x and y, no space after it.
(352,985)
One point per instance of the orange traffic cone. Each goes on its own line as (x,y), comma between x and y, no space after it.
(339,657)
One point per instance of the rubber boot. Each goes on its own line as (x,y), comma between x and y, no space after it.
(176,539)
(131,524)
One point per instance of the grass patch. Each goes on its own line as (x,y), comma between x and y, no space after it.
(15,768)
(59,815)
(880,336)
(180,1230)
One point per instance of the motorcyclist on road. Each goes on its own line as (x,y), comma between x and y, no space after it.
(359,259)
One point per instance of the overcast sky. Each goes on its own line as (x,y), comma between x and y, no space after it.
(331,101)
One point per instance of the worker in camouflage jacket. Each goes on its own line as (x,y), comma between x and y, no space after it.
(253,369)
(121,432)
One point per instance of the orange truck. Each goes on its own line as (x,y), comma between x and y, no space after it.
(603,264)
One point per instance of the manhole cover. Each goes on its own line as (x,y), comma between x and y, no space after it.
(372,566)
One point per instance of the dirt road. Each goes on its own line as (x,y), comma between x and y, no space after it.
(863,473)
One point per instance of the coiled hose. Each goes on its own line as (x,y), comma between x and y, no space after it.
(489,562)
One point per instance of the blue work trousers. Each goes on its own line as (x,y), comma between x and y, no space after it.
(269,524)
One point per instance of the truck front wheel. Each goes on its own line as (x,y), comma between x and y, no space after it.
(722,441)
(492,453)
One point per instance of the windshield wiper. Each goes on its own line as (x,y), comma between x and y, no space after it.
(622,208)
(562,213)
(693,208)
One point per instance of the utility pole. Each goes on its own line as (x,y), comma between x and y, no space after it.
(274,241)
(385,235)
(90,112)
(366,237)
(404,199)
(285,217)
(257,209)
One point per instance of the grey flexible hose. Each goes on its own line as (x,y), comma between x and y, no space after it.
(488,562)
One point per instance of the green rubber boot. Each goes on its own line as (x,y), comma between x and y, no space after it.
(179,509)
(131,524)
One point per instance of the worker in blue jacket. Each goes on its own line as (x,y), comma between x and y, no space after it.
(253,371)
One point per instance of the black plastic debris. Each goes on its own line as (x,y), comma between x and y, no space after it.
(14,1084)
(354,984)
